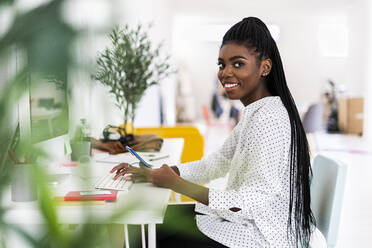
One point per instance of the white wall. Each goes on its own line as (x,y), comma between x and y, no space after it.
(159,13)
(181,25)
(368,75)
(307,68)
(90,99)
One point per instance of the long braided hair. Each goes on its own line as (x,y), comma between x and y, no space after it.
(255,36)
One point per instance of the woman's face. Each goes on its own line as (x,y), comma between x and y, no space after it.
(241,74)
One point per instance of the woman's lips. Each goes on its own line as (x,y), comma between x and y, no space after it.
(230,86)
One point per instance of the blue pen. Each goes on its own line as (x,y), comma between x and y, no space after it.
(137,156)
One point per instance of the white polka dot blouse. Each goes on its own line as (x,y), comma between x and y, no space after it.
(255,157)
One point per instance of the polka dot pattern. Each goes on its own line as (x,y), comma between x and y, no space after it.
(255,157)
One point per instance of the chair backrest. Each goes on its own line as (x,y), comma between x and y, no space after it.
(327,191)
(313,118)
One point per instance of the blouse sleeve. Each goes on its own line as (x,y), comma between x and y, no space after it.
(261,164)
(214,165)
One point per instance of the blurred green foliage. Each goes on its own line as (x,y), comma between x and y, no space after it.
(45,37)
(6,2)
(46,40)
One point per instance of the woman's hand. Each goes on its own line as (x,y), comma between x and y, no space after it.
(130,172)
(164,177)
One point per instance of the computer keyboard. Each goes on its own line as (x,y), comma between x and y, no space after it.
(106,182)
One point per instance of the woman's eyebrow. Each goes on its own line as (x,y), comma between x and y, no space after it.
(233,58)
(237,57)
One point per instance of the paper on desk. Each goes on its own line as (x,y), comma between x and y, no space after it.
(152,156)
(114,159)
(59,201)
(128,158)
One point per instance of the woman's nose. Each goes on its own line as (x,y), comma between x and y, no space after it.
(227,72)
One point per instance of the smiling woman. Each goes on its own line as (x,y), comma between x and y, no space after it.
(266,202)
(241,74)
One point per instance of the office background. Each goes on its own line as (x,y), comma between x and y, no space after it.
(318,41)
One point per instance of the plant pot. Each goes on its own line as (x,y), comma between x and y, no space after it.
(80,150)
(23,186)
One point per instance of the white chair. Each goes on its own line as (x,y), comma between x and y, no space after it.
(327,191)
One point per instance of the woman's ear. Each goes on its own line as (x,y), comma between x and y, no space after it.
(266,65)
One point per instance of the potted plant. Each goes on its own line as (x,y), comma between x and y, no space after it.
(128,68)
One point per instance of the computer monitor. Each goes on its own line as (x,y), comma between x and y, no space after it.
(48,109)
(43,114)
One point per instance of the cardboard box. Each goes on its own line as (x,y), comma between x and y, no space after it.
(350,115)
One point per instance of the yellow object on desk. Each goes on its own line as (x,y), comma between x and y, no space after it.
(59,201)
(193,148)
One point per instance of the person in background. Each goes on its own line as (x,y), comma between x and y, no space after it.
(266,202)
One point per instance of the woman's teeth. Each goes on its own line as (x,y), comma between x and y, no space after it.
(230,85)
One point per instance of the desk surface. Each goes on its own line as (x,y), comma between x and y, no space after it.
(143,204)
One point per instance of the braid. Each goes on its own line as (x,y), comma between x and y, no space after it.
(253,33)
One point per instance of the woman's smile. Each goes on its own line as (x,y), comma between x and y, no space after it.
(229,86)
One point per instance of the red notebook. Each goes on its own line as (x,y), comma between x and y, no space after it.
(91,196)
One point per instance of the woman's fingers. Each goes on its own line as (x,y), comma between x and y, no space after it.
(142,174)
(122,173)
(119,167)
(146,169)
(125,170)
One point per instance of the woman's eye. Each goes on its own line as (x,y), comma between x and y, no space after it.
(238,64)
(220,65)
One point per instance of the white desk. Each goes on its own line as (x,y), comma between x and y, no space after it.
(150,202)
